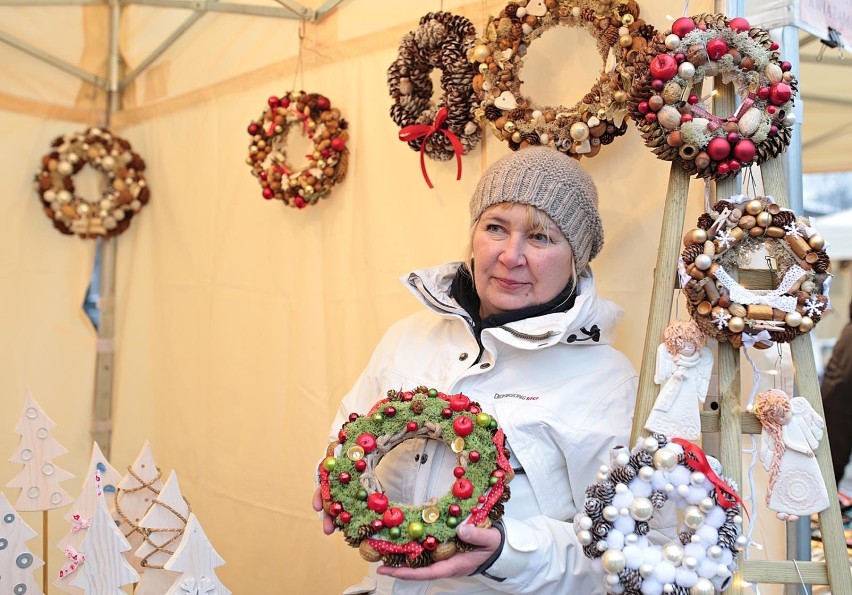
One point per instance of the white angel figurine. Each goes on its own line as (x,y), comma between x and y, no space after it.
(683,368)
(791,433)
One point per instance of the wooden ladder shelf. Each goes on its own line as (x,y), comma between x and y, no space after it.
(729,421)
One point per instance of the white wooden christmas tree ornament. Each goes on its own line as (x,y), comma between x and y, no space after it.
(40,478)
(163,526)
(102,568)
(100,480)
(17,563)
(136,492)
(195,560)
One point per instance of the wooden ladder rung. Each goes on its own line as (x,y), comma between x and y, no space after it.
(785,572)
(710,422)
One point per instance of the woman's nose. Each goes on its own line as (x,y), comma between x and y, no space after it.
(513,252)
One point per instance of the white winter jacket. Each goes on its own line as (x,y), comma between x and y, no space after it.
(563,396)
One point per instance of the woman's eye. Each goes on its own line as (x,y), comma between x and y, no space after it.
(493,227)
(540,237)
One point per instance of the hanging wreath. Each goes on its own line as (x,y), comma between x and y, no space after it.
(327,163)
(442,40)
(613,525)
(679,126)
(598,117)
(400,534)
(725,237)
(107,214)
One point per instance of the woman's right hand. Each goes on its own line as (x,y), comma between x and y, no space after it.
(327,523)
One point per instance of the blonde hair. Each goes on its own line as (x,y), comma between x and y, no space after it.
(680,332)
(771,407)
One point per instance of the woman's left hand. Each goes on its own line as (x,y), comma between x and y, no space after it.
(462,564)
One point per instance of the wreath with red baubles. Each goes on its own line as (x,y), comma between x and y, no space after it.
(679,126)
(401,534)
(313,114)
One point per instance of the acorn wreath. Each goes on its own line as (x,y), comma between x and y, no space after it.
(400,534)
(678,126)
(613,525)
(104,215)
(727,311)
(327,163)
(598,117)
(449,127)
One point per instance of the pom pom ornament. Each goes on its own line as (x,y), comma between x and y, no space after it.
(724,309)
(400,534)
(704,556)
(125,188)
(598,117)
(680,127)
(327,163)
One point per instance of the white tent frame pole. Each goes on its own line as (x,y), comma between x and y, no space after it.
(53,60)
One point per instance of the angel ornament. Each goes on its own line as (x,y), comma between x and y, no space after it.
(791,433)
(683,368)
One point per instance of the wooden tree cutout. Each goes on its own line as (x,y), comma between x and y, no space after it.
(136,493)
(100,481)
(163,527)
(17,563)
(40,478)
(196,560)
(102,569)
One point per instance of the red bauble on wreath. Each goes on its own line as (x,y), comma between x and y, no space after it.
(105,215)
(327,163)
(679,126)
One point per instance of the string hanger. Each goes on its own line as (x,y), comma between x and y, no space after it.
(299,73)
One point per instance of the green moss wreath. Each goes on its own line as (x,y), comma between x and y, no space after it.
(400,534)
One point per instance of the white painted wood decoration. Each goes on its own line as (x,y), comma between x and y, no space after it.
(195,560)
(163,526)
(103,569)
(40,478)
(17,563)
(136,492)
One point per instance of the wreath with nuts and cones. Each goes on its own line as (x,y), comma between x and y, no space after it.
(598,117)
(323,124)
(401,534)
(124,194)
(614,522)
(679,126)
(442,41)
(725,237)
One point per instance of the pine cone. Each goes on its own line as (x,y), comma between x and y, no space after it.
(647,31)
(591,551)
(690,253)
(784,336)
(685,537)
(630,7)
(623,474)
(531,138)
(658,498)
(510,11)
(642,528)
(606,138)
(641,459)
(728,534)
(593,507)
(783,218)
(421,561)
(588,14)
(463,546)
(601,528)
(492,112)
(496,512)
(705,221)
(393,395)
(722,205)
(506,494)
(591,97)
(417,407)
(395,560)
(604,491)
(611,36)
(823,262)
(631,579)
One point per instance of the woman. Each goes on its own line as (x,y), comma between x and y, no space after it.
(520,330)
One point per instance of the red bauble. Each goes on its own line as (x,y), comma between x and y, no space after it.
(390,411)
(253,129)
(474,409)
(745,151)
(763,92)
(412,426)
(338,144)
(360,465)
(682,26)
(366,441)
(300,202)
(268,193)
(377,502)
(664,67)
(716,48)
(739,24)
(273,102)
(650,117)
(393,517)
(345,517)
(446,413)
(462,489)
(685,118)
(341,436)
(462,426)
(459,402)
(353,416)
(454,510)
(430,544)
(718,148)
(723,168)
(344,477)
(377,525)
(334,509)
(780,93)
(458,471)
(473,456)
(323,103)
(734,165)
(642,107)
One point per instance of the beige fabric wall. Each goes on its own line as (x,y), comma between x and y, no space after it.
(240,323)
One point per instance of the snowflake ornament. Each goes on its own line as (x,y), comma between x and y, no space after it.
(813,307)
(720,318)
(726,238)
(792,229)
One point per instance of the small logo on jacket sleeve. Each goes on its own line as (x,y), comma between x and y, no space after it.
(514,396)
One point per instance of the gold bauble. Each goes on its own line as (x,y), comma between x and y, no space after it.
(753,207)
(816,241)
(736,324)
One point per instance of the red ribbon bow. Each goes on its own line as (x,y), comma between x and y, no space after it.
(424,131)
(697,461)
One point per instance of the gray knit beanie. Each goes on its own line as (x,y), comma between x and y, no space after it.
(552,182)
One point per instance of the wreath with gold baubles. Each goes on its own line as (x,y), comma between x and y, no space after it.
(315,118)
(598,117)
(679,126)
(448,127)
(725,237)
(107,214)
(401,534)
(613,525)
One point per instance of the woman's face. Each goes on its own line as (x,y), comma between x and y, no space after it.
(518,263)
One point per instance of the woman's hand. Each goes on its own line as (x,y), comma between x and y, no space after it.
(461,564)
(327,523)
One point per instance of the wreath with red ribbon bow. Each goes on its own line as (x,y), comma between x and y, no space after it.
(679,126)
(615,520)
(327,163)
(401,534)
(448,128)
